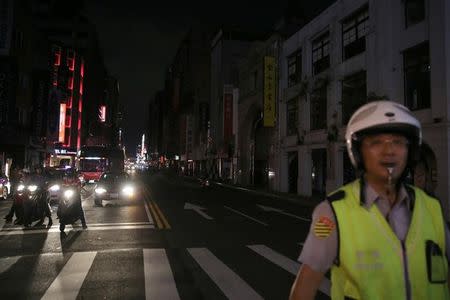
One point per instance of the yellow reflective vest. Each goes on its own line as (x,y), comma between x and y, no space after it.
(372,263)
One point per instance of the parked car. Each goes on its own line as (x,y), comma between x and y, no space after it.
(114,186)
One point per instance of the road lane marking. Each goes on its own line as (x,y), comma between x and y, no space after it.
(7,262)
(287,264)
(155,215)
(197,209)
(149,216)
(159,281)
(233,286)
(161,215)
(119,224)
(68,282)
(54,229)
(242,214)
(280,211)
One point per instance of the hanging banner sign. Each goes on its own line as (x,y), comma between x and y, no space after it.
(269,91)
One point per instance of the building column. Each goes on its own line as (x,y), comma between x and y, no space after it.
(304,171)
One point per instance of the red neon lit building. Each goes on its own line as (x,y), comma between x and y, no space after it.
(67,81)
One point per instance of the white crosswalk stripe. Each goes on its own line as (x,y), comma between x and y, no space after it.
(76,275)
(287,264)
(233,286)
(159,281)
(68,282)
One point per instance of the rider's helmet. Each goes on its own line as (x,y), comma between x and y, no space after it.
(382,117)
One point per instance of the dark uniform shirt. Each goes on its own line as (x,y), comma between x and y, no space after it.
(319,250)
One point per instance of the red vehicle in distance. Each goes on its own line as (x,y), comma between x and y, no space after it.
(93,161)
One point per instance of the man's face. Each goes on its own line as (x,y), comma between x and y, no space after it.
(383,151)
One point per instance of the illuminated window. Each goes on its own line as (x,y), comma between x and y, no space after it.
(56,55)
(82,68)
(80,105)
(354,31)
(70,82)
(102,113)
(321,53)
(69,101)
(71,59)
(81,86)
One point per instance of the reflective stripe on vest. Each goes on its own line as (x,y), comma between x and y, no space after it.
(371,257)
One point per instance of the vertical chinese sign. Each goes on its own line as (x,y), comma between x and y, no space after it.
(62,123)
(269,91)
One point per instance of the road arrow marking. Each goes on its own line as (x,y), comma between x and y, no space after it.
(280,211)
(197,209)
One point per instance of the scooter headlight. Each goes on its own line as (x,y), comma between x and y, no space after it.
(55,188)
(100,190)
(32,188)
(68,194)
(20,188)
(128,190)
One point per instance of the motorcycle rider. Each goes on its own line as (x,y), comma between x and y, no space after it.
(16,177)
(70,179)
(38,178)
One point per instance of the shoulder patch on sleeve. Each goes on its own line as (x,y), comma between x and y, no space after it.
(323,227)
(339,195)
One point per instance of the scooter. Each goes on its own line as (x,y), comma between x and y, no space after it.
(19,195)
(204,182)
(68,210)
(33,201)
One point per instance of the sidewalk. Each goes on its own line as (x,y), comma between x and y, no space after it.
(294,198)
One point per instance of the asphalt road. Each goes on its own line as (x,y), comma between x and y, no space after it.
(177,240)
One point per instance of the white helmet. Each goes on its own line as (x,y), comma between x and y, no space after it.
(382,116)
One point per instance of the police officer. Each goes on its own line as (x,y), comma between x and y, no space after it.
(381,238)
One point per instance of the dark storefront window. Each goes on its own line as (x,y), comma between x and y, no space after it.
(292,112)
(354,94)
(414,12)
(354,31)
(319,108)
(321,53)
(416,64)
(294,68)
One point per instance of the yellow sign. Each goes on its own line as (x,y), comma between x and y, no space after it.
(269,91)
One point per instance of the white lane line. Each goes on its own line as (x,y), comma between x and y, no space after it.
(7,262)
(118,224)
(233,286)
(54,229)
(68,282)
(159,281)
(287,264)
(242,214)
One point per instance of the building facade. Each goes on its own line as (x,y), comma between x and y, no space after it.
(355,52)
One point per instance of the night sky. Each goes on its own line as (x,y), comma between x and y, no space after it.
(139,40)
